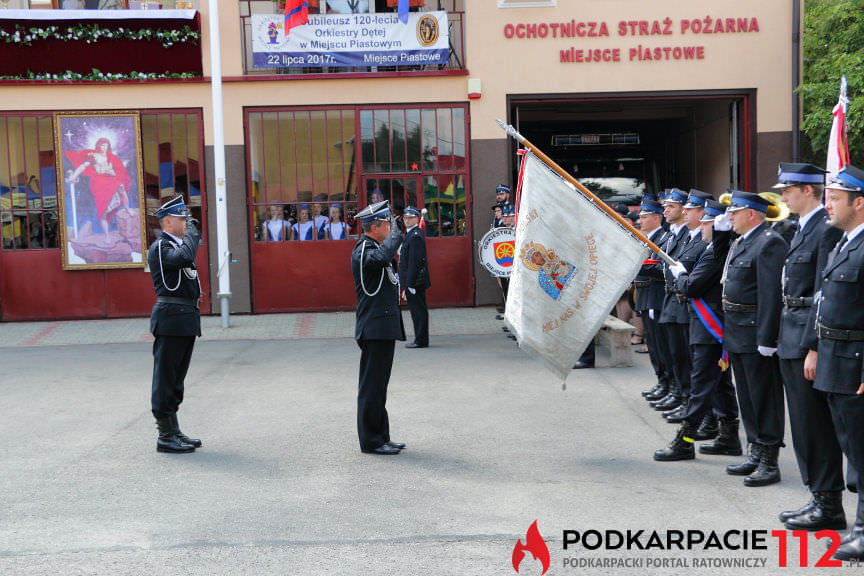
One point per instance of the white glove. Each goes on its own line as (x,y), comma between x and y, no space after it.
(723,223)
(651,314)
(677,269)
(766,351)
(412,290)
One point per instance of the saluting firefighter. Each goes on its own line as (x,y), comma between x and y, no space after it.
(650,292)
(175,320)
(379,323)
(752,304)
(712,392)
(674,319)
(820,459)
(414,276)
(839,320)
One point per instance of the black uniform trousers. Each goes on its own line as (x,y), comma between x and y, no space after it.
(376,362)
(760,397)
(847,411)
(678,342)
(171,357)
(655,340)
(817,450)
(710,387)
(419,315)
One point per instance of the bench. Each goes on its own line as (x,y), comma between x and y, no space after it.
(616,334)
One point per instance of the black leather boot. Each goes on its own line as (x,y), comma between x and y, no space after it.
(681,447)
(852,545)
(787,514)
(183,438)
(767,472)
(652,392)
(676,416)
(669,402)
(708,428)
(748,466)
(727,442)
(826,514)
(168,440)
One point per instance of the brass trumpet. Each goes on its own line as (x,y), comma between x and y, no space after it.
(776,212)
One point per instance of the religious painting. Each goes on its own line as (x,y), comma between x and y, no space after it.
(102,205)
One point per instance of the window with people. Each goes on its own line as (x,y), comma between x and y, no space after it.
(311,170)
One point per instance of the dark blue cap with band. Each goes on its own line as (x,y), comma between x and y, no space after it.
(697,199)
(174,207)
(743,200)
(649,206)
(380,211)
(712,210)
(797,174)
(502,189)
(676,195)
(411,211)
(508,210)
(850,179)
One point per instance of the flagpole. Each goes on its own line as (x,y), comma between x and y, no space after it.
(511,131)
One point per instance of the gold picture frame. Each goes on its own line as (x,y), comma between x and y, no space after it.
(101,183)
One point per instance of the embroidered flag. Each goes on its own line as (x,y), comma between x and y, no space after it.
(403,11)
(296,14)
(838,144)
(571,263)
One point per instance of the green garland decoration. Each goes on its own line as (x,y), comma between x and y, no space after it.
(91,33)
(98,75)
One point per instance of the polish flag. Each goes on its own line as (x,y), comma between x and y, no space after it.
(838,144)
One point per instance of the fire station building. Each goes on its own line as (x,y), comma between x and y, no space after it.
(106,111)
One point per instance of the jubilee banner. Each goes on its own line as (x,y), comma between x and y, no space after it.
(351,40)
(571,263)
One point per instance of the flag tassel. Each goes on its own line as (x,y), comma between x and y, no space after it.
(513,133)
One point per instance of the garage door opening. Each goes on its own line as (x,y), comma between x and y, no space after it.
(621,147)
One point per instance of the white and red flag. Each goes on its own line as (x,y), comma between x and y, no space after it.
(838,145)
(572,262)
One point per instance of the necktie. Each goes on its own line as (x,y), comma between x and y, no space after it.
(729,259)
(842,243)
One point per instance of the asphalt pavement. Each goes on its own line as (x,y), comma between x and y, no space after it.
(281,487)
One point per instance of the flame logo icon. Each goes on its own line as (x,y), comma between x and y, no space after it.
(534,544)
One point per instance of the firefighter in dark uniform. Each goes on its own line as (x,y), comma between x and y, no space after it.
(752,304)
(712,392)
(820,459)
(650,292)
(839,322)
(175,320)
(674,319)
(689,254)
(379,323)
(414,276)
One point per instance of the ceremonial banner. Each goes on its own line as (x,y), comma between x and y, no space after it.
(351,40)
(571,264)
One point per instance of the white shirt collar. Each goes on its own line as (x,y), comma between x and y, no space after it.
(675,228)
(855,232)
(750,232)
(694,232)
(175,238)
(802,220)
(411,228)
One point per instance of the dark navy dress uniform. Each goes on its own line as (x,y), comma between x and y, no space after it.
(674,319)
(711,387)
(839,327)
(752,304)
(175,321)
(414,274)
(650,293)
(379,325)
(817,450)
